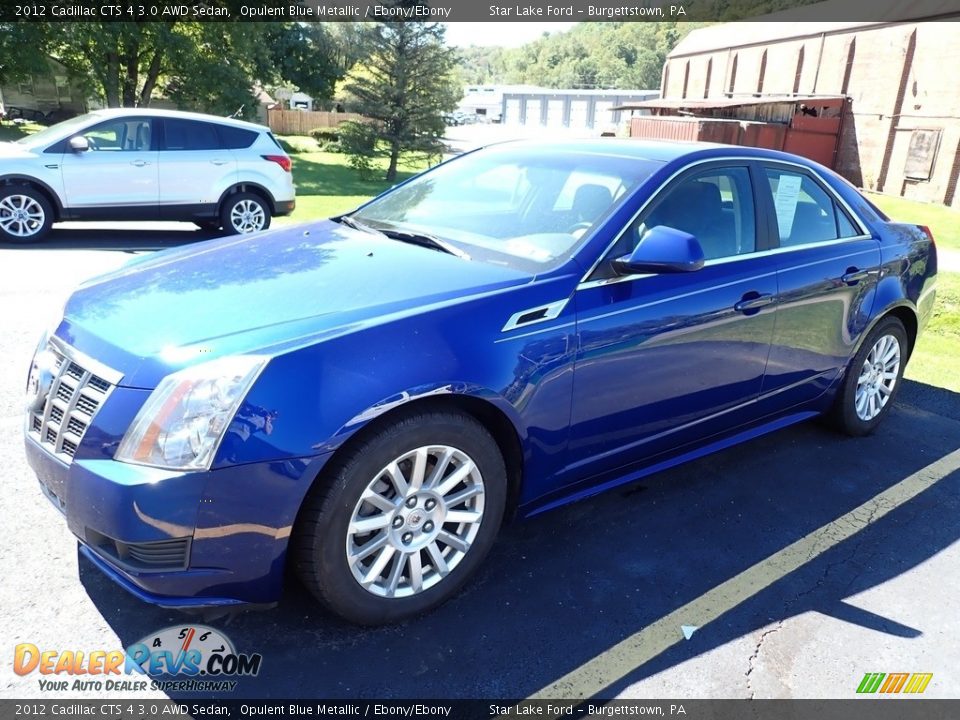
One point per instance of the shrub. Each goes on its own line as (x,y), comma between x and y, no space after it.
(359,141)
(325,134)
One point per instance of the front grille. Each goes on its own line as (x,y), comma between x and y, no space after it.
(79,387)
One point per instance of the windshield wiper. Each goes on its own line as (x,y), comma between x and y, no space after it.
(408,236)
(355,224)
(425,240)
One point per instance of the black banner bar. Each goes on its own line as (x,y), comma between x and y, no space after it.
(541,11)
(146,709)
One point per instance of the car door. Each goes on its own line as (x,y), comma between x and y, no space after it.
(670,358)
(194,168)
(119,170)
(827,270)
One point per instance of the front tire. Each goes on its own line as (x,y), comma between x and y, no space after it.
(400,522)
(25,214)
(872,380)
(244,213)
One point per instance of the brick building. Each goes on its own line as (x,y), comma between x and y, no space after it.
(900,131)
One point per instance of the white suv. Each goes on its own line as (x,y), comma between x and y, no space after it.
(140,164)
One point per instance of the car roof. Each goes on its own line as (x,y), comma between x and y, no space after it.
(127,112)
(654,150)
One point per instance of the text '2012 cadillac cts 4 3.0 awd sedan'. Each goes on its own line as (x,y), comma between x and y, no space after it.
(368,398)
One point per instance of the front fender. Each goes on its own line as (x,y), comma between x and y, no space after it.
(310,400)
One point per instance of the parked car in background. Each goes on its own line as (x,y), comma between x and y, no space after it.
(140,164)
(520,327)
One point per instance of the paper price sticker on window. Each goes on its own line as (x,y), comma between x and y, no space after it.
(785,201)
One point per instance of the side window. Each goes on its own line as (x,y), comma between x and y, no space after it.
(805,212)
(120,135)
(715,206)
(189,135)
(234,138)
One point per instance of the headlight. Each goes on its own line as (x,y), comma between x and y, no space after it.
(183,421)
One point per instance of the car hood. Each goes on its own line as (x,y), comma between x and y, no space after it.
(12,150)
(261,293)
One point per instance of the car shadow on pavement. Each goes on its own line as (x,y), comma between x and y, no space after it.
(561,588)
(124,240)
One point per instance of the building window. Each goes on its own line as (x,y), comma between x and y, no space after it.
(922,153)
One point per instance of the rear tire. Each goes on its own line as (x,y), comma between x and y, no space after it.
(397,524)
(872,380)
(244,213)
(25,214)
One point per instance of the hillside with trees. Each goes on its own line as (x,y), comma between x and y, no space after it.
(621,55)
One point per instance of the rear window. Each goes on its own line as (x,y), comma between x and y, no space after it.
(234,138)
(190,135)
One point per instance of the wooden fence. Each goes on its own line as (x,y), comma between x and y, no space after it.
(301,122)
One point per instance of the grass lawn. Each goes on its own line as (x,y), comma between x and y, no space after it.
(9,131)
(943,221)
(936,359)
(327,185)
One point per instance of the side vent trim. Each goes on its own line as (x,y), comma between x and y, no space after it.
(534,315)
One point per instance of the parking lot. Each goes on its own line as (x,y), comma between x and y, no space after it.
(799,561)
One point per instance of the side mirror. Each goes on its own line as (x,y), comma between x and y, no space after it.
(662,249)
(78,143)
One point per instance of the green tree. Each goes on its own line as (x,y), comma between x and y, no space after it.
(404,84)
(207,66)
(19,51)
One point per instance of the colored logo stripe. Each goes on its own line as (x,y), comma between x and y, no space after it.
(918,683)
(894,683)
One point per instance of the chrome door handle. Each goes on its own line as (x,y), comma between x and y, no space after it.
(754,302)
(219,162)
(855,275)
(139,163)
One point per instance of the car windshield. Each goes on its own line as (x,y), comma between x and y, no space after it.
(511,205)
(56,132)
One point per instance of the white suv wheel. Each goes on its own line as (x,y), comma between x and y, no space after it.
(24,214)
(245,213)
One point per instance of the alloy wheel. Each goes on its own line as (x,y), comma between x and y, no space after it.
(878,377)
(415,521)
(21,216)
(247,216)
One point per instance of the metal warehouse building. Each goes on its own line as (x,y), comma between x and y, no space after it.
(900,127)
(583,109)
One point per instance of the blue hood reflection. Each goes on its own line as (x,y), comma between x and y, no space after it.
(263,291)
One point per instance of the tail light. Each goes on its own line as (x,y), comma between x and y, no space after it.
(281,160)
(927,232)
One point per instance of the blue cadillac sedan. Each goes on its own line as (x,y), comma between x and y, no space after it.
(367,399)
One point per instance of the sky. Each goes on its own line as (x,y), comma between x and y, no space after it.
(508,34)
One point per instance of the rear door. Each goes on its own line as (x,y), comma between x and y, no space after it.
(828,264)
(118,171)
(195,169)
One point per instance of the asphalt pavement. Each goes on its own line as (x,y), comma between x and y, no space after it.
(796,563)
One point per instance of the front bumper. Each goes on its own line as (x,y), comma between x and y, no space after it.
(181,539)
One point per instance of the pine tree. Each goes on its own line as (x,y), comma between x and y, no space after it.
(404,85)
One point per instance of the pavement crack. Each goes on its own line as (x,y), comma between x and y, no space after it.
(858,539)
(751,663)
